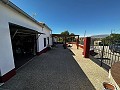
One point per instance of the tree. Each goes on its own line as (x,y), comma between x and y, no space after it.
(72,37)
(65,33)
(72,34)
(112,39)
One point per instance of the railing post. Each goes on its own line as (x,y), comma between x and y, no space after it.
(102,54)
(77,42)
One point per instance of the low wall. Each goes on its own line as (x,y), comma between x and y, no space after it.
(81,46)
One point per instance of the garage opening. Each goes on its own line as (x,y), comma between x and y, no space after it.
(24,43)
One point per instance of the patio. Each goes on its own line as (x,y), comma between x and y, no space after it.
(58,69)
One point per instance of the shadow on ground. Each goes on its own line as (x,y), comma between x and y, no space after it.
(98,62)
(54,70)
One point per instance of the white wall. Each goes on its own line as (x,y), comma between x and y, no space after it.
(7,15)
(41,39)
(48,34)
(55,39)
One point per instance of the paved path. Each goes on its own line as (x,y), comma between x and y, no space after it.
(55,70)
(96,74)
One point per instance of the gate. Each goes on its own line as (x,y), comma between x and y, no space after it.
(106,51)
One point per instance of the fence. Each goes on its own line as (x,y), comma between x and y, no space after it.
(106,52)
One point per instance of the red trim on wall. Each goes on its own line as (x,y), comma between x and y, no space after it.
(81,46)
(43,51)
(7,76)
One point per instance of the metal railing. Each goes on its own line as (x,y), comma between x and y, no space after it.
(105,53)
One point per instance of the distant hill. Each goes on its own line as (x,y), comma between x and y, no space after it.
(100,36)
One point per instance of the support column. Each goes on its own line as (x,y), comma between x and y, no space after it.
(87,47)
(78,42)
(65,40)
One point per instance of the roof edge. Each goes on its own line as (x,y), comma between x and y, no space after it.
(9,3)
(44,25)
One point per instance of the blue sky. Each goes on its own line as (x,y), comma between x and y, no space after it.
(76,16)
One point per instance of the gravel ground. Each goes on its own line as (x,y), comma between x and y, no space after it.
(96,74)
(58,69)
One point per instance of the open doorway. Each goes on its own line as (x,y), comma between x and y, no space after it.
(23,44)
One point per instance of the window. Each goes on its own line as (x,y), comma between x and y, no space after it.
(44,42)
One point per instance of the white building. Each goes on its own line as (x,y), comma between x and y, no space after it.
(20,36)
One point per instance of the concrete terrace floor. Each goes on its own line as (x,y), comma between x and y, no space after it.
(58,69)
